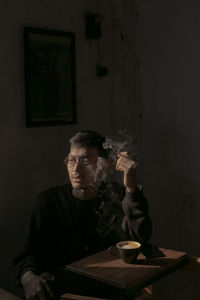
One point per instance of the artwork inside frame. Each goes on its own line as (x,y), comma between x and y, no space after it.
(49,62)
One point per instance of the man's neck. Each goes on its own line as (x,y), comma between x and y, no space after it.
(85,193)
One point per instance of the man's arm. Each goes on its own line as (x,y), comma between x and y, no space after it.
(136,222)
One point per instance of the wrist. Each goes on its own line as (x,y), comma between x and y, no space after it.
(137,188)
(131,190)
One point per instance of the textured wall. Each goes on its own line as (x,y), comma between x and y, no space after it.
(168,92)
(32,158)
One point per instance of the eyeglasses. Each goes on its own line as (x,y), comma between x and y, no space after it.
(82,161)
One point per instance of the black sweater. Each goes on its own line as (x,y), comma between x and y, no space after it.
(63,228)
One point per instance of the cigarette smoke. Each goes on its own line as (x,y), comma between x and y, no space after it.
(122,142)
(99,173)
(110,210)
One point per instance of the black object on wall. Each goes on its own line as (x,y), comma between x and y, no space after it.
(101,71)
(93,26)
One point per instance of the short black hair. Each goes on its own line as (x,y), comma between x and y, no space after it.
(89,138)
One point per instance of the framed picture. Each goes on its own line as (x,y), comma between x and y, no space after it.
(49,61)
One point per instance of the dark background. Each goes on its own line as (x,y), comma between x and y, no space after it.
(151,50)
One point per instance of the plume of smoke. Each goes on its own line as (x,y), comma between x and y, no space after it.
(123,141)
(109,212)
(98,173)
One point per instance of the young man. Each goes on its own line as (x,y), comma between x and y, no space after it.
(78,219)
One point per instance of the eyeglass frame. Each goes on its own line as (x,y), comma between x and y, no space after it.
(80,161)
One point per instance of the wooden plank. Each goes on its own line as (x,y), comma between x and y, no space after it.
(193,265)
(108,269)
(68,296)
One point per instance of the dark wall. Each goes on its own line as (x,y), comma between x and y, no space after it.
(168,49)
(32,158)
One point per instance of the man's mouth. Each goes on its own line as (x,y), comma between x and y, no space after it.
(76,177)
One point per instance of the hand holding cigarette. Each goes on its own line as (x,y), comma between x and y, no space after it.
(127,165)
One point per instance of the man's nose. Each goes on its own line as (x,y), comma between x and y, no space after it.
(77,165)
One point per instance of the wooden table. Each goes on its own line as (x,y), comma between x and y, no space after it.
(127,279)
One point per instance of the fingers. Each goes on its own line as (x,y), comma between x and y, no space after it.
(40,290)
(125,163)
(48,289)
(47,277)
(41,294)
(37,294)
(125,153)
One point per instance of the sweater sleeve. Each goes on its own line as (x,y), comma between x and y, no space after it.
(136,222)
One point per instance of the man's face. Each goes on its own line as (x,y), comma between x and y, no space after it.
(82,167)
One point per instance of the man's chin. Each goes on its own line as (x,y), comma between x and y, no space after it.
(77,185)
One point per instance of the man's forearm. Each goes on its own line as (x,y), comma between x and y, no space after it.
(137,221)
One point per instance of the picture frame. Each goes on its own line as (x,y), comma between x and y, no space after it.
(49,69)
